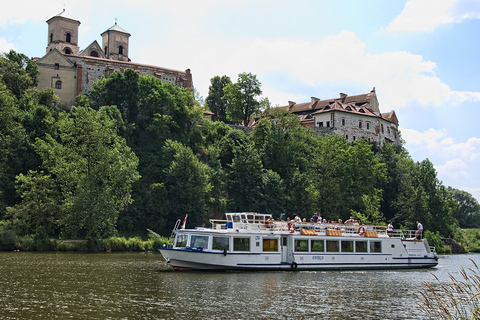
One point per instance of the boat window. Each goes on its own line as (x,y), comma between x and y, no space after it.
(221,243)
(241,244)
(317,246)
(270,244)
(199,242)
(181,241)
(301,245)
(347,246)
(360,246)
(375,246)
(333,246)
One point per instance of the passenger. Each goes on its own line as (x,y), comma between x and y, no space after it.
(315,217)
(419,231)
(297,219)
(283,217)
(390,229)
(269,224)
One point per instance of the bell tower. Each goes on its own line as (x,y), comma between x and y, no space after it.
(115,43)
(63,33)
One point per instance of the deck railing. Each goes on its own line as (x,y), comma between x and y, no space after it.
(320,228)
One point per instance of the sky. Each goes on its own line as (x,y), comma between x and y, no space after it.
(421,56)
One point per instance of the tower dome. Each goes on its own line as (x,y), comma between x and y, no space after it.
(63,33)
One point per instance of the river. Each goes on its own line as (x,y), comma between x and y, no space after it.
(140,286)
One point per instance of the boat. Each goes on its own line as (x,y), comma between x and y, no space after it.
(254,241)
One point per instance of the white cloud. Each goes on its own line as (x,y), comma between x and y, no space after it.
(402,77)
(5,46)
(425,15)
(454,170)
(438,142)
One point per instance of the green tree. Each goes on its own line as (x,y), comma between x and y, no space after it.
(468,211)
(17,72)
(94,170)
(241,98)
(186,185)
(245,179)
(215,101)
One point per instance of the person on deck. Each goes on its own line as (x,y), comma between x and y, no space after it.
(390,229)
(419,231)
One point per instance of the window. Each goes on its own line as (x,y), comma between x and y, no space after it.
(120,50)
(181,241)
(51,37)
(68,51)
(353,138)
(348,108)
(241,244)
(361,110)
(332,246)
(301,245)
(368,125)
(58,84)
(57,66)
(360,124)
(199,242)
(270,244)
(375,246)
(382,128)
(68,38)
(106,49)
(360,246)
(320,124)
(221,243)
(328,124)
(346,136)
(347,246)
(317,245)
(343,122)
(94,53)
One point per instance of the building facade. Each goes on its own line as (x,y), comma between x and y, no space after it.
(70,71)
(353,117)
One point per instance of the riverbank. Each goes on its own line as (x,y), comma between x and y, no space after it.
(112,244)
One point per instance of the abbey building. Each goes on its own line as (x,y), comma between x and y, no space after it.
(71,71)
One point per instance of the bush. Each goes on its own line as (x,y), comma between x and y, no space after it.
(8,240)
(434,239)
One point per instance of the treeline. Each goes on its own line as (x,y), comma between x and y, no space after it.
(137,154)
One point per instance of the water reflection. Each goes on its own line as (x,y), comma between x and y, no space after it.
(136,286)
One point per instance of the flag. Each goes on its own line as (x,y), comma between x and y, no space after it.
(184,221)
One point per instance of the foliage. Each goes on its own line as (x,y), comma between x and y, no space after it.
(241,98)
(215,101)
(468,211)
(74,174)
(435,240)
(458,299)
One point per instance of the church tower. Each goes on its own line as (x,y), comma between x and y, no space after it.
(115,43)
(63,33)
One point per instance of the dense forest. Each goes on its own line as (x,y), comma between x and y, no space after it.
(136,154)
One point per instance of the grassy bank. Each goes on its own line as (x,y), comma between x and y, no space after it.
(112,244)
(469,239)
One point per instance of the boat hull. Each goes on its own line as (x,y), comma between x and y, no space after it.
(181,259)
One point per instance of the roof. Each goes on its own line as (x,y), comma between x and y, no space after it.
(117,28)
(65,15)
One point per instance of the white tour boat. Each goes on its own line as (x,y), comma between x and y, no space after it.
(253,241)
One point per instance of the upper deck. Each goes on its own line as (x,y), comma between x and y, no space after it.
(257,222)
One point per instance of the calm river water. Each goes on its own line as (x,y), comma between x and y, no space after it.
(140,286)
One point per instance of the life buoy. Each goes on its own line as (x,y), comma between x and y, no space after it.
(292,227)
(361,230)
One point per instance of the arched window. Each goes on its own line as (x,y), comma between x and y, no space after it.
(51,37)
(120,50)
(68,38)
(348,108)
(94,53)
(106,49)
(58,84)
(68,51)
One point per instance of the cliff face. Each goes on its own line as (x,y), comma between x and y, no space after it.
(456,247)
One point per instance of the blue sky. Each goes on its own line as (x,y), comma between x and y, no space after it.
(422,56)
